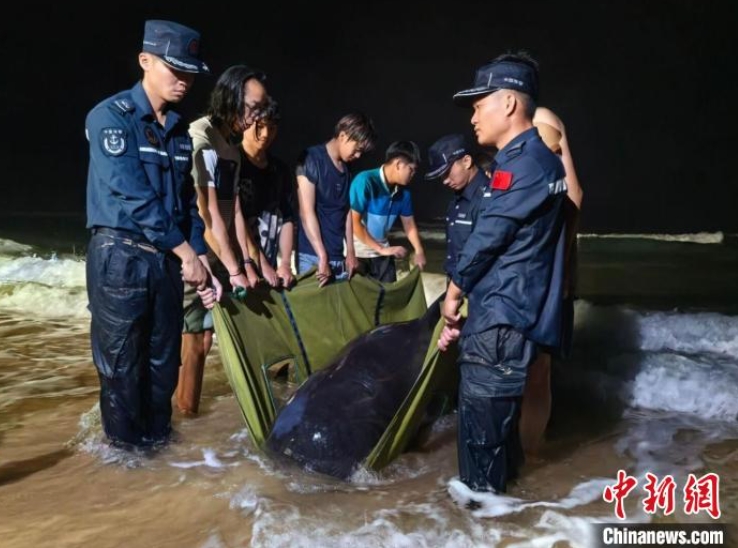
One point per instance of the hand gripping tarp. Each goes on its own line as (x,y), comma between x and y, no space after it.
(307,326)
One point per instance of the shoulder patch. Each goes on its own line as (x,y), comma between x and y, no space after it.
(501,180)
(113,140)
(124,105)
(515,150)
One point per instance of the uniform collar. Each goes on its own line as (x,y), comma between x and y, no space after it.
(515,146)
(143,106)
(480,179)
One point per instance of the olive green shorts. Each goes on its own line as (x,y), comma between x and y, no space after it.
(197,318)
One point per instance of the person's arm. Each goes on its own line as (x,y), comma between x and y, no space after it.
(197,225)
(210,295)
(286,246)
(219,230)
(362,234)
(574,187)
(572,211)
(205,161)
(359,200)
(128,183)
(352,263)
(287,233)
(248,247)
(574,193)
(413,235)
(306,197)
(450,311)
(193,272)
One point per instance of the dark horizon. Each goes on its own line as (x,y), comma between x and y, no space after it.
(643,91)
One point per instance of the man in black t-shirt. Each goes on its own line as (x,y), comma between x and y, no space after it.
(267,192)
(323,181)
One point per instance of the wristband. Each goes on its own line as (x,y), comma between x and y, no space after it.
(249,261)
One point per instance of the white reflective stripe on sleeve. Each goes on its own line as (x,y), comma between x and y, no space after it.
(154,150)
(559,187)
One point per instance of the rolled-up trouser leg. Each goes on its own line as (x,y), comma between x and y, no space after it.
(117,286)
(166,342)
(493,367)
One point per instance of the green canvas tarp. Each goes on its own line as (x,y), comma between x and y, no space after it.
(305,328)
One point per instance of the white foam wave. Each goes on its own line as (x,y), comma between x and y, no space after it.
(40,301)
(281,525)
(699,386)
(668,443)
(572,531)
(51,272)
(701,332)
(624,328)
(245,500)
(426,234)
(695,238)
(10,247)
(417,524)
(91,439)
(38,287)
(438,234)
(210,459)
(665,361)
(493,506)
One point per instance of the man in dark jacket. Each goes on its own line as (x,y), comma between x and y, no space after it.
(147,236)
(511,269)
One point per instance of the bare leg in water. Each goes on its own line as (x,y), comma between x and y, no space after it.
(195,348)
(536,407)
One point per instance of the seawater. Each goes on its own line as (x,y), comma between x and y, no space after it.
(650,387)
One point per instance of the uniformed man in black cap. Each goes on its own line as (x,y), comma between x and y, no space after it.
(147,236)
(451,162)
(511,269)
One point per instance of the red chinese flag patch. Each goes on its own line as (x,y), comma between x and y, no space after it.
(501,180)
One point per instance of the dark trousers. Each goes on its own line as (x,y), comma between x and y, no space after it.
(493,366)
(135,298)
(381,269)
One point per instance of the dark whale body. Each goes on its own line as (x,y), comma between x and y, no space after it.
(335,419)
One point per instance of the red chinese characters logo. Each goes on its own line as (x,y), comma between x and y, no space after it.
(660,494)
(700,494)
(618,492)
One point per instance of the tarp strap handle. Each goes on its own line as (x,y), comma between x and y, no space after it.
(380,302)
(297,332)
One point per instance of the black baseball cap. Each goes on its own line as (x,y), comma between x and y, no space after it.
(496,75)
(445,152)
(178,46)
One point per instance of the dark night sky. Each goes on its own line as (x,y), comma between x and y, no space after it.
(645,89)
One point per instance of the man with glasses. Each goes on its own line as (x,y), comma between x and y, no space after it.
(378,197)
(233,106)
(323,180)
